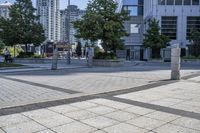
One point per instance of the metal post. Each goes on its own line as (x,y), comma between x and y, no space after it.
(68,57)
(54,59)
(175,63)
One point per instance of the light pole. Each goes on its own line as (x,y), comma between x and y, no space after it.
(68,53)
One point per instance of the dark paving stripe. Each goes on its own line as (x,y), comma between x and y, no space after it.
(34,106)
(158,108)
(41,105)
(191,76)
(41,85)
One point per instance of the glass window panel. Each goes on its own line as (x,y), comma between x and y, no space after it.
(187,2)
(195,2)
(133,10)
(140,2)
(178,2)
(130,2)
(192,23)
(170,2)
(169,26)
(134,28)
(161,2)
(140,11)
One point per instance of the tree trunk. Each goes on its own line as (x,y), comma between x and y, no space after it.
(155,53)
(26,48)
(14,51)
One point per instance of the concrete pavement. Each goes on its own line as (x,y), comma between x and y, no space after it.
(131,99)
(170,108)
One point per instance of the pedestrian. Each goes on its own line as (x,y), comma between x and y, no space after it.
(6,54)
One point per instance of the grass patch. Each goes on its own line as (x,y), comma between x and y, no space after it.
(2,64)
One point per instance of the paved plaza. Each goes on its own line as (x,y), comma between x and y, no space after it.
(131,99)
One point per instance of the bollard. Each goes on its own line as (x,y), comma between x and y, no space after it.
(68,58)
(90,58)
(175,63)
(54,59)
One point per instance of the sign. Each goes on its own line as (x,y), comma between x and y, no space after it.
(63,46)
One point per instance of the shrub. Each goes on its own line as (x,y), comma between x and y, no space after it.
(103,55)
(191,57)
(25,55)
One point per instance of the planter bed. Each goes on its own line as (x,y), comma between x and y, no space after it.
(191,61)
(108,63)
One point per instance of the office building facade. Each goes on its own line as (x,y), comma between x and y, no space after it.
(4,9)
(49,16)
(68,16)
(133,43)
(177,18)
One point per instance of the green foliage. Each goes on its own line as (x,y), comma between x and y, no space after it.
(153,38)
(23,26)
(195,37)
(102,22)
(104,55)
(10,65)
(2,46)
(78,49)
(18,49)
(25,55)
(29,55)
(194,48)
(191,57)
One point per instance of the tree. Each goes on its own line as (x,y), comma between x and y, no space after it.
(195,37)
(23,26)
(78,49)
(194,49)
(154,39)
(102,22)
(2,46)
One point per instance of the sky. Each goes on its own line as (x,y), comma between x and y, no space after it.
(63,3)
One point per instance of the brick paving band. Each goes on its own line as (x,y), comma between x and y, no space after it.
(157,108)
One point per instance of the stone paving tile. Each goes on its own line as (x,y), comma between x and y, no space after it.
(170,128)
(187,107)
(139,110)
(1,131)
(80,114)
(74,127)
(101,110)
(83,105)
(54,121)
(124,128)
(62,109)
(192,103)
(98,131)
(146,123)
(25,127)
(121,116)
(110,103)
(12,119)
(167,102)
(142,96)
(38,114)
(188,123)
(162,116)
(45,131)
(100,122)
